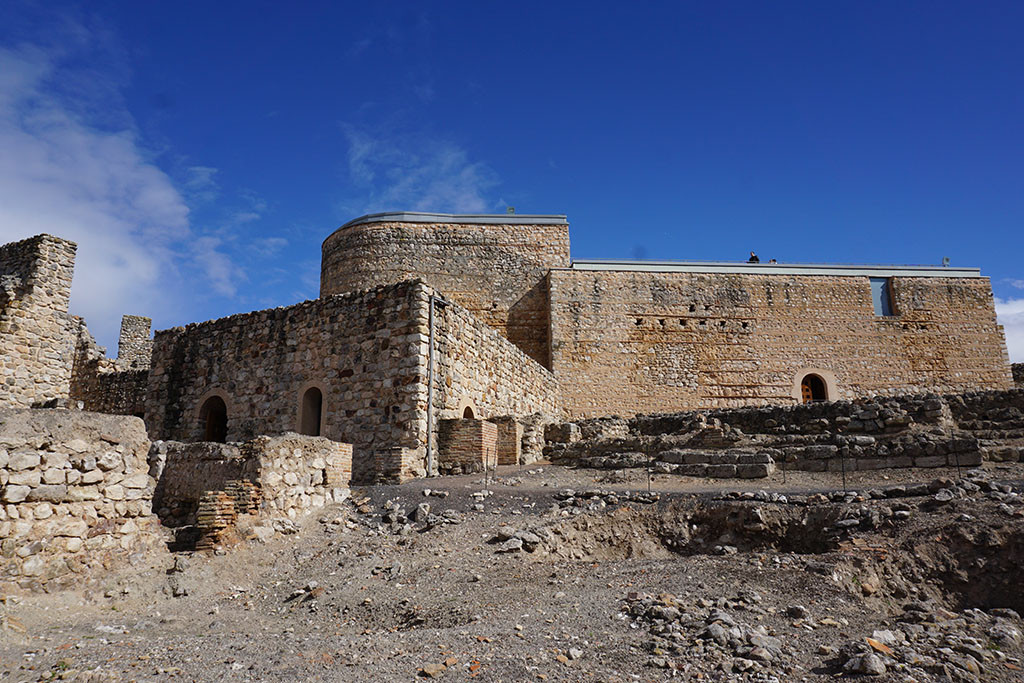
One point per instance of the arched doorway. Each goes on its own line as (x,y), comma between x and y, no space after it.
(213,417)
(310,412)
(467,414)
(813,389)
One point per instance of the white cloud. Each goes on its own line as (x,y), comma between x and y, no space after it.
(1010,313)
(418,174)
(64,173)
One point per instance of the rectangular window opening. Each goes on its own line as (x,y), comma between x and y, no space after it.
(881,296)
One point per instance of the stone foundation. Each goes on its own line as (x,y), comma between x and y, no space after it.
(879,433)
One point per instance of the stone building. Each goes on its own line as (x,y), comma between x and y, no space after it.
(430,317)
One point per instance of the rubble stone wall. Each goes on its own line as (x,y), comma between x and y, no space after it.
(628,342)
(363,350)
(134,346)
(1018,374)
(75,495)
(497,272)
(103,385)
(882,432)
(37,336)
(295,473)
(476,366)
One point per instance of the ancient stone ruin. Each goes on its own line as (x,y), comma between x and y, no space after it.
(451,344)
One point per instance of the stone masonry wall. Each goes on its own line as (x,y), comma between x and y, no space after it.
(363,350)
(1018,374)
(497,272)
(103,385)
(74,496)
(37,336)
(924,430)
(475,366)
(134,347)
(627,342)
(294,473)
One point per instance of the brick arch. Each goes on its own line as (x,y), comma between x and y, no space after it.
(467,404)
(826,376)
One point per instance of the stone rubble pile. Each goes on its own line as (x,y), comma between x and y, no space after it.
(929,642)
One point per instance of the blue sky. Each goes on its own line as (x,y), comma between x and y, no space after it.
(200,152)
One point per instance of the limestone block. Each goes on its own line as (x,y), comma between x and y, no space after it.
(4,458)
(109,461)
(72,527)
(73,545)
(25,478)
(15,493)
(49,493)
(59,460)
(83,493)
(42,511)
(54,476)
(23,461)
(139,480)
(92,477)
(78,446)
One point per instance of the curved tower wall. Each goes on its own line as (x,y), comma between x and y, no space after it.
(495,266)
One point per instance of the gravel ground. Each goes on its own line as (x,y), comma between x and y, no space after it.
(511,578)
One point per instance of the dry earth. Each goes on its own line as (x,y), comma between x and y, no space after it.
(514,579)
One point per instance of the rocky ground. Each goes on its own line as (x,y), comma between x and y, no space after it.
(572,575)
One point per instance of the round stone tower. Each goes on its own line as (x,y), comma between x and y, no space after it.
(494,265)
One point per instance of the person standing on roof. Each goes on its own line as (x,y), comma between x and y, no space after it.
(753,258)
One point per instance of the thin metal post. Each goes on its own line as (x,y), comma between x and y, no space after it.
(430,389)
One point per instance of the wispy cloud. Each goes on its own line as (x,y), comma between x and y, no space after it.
(72,168)
(1010,313)
(416,173)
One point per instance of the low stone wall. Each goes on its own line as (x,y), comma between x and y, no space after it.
(467,446)
(76,495)
(883,432)
(300,473)
(294,473)
(1018,374)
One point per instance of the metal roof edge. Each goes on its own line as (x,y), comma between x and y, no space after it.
(868,270)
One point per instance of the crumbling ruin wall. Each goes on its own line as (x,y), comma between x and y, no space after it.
(628,342)
(476,367)
(883,432)
(76,495)
(1018,374)
(114,386)
(37,336)
(497,272)
(364,351)
(293,473)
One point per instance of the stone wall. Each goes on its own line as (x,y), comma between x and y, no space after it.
(75,492)
(476,367)
(293,473)
(627,342)
(883,432)
(497,272)
(37,336)
(364,351)
(103,385)
(134,346)
(1018,374)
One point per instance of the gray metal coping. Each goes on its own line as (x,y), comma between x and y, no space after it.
(774,268)
(458,218)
